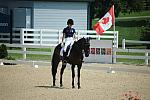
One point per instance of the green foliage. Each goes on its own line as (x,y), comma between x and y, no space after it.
(121,6)
(145,34)
(3,51)
(130,6)
(117,7)
(100,7)
(130,29)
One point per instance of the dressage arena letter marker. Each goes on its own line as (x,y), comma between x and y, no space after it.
(1,63)
(100,51)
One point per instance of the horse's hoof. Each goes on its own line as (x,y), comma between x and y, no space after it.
(61,85)
(79,87)
(73,87)
(54,85)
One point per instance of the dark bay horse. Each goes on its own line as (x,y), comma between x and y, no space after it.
(75,58)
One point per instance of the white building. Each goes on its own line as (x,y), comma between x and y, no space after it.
(48,14)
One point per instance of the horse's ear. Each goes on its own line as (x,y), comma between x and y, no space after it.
(88,38)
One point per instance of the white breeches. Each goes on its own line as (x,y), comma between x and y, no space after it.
(68,41)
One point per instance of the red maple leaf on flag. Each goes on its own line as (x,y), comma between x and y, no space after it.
(105,20)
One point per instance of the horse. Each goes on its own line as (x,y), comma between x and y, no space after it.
(76,55)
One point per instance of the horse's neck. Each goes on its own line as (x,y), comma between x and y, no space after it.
(76,49)
(78,45)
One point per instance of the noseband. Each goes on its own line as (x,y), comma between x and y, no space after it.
(86,47)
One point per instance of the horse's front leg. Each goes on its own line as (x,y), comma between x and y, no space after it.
(73,75)
(61,74)
(79,68)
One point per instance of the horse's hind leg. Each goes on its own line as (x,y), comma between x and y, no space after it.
(61,73)
(54,71)
(73,75)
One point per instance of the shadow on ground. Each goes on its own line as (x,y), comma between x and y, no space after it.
(51,87)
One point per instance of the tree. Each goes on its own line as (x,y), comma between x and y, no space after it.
(145,34)
(125,6)
(129,6)
(3,51)
(102,6)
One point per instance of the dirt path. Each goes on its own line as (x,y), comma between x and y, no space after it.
(23,82)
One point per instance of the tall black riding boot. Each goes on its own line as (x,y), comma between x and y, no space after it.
(65,57)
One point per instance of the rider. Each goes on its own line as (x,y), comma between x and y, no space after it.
(68,35)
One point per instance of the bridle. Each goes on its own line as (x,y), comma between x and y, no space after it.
(86,47)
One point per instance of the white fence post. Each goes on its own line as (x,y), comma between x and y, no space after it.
(22,36)
(22,42)
(114,55)
(146,58)
(99,37)
(24,53)
(117,38)
(41,36)
(123,44)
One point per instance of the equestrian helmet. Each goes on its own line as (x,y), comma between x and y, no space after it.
(70,21)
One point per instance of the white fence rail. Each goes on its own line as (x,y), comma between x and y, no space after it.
(24,53)
(133,42)
(146,58)
(53,37)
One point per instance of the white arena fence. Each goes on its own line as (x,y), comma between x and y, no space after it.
(47,38)
(52,37)
(24,53)
(124,41)
(146,57)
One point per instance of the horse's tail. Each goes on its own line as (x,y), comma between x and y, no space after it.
(55,59)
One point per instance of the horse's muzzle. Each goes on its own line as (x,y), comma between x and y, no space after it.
(86,54)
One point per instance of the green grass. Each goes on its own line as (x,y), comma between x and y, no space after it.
(39,49)
(130,53)
(131,61)
(38,57)
(15,56)
(32,56)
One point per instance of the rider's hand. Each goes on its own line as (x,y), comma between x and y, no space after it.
(62,44)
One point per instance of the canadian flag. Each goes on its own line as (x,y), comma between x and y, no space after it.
(105,22)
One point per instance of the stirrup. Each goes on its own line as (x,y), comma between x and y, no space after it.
(64,62)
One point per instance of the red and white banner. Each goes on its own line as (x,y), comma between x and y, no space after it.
(105,22)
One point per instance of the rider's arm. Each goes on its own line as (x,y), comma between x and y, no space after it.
(75,36)
(63,37)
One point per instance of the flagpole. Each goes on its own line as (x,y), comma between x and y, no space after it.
(114,18)
(115,34)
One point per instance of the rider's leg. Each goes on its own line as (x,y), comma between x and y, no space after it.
(65,51)
(67,43)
